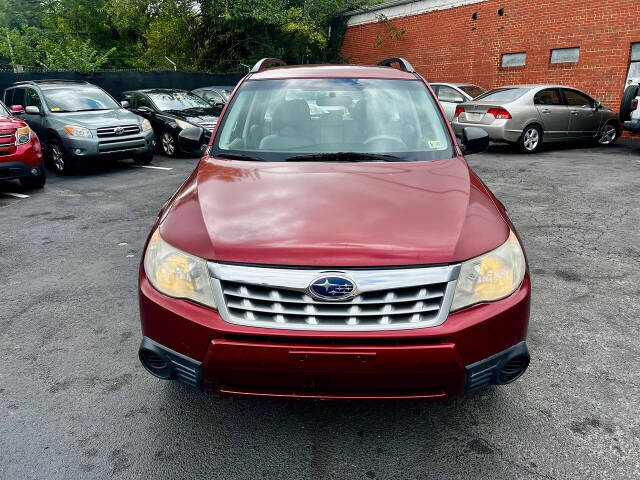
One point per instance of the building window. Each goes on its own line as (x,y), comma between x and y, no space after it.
(514,59)
(634,65)
(565,55)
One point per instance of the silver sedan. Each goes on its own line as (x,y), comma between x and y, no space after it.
(529,115)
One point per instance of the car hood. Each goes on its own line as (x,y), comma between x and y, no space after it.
(11,122)
(334,214)
(197,117)
(98,118)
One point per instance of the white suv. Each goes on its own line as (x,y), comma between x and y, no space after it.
(630,106)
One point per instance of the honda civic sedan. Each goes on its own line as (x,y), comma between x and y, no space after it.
(333,255)
(530,115)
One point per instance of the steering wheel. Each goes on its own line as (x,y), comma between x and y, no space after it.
(386,138)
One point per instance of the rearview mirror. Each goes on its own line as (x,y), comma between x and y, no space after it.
(17,108)
(124,104)
(32,110)
(474,140)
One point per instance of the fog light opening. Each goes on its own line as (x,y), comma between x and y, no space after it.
(155,364)
(34,172)
(512,369)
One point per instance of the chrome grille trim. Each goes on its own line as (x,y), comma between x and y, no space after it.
(111,131)
(385,299)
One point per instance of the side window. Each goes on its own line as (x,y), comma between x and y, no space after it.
(577,99)
(436,89)
(142,101)
(18,97)
(8,97)
(448,94)
(548,97)
(215,96)
(32,99)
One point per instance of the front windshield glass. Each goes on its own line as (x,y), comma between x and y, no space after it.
(177,101)
(472,90)
(78,98)
(503,94)
(275,120)
(3,111)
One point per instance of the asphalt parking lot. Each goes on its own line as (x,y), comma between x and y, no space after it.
(75,403)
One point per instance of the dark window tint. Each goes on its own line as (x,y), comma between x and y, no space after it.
(577,99)
(18,97)
(503,94)
(142,101)
(548,97)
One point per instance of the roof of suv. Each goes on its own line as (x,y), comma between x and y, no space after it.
(332,71)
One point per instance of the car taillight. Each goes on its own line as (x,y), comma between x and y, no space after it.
(635,104)
(459,110)
(499,113)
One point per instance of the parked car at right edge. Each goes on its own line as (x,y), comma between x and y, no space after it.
(78,123)
(629,111)
(530,115)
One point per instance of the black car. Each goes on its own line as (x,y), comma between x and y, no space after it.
(181,120)
(216,96)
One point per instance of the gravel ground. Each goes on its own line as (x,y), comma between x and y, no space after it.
(75,403)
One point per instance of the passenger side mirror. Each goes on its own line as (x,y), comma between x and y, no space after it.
(474,140)
(597,105)
(124,104)
(17,109)
(32,110)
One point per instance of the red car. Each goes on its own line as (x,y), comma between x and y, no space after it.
(334,243)
(20,151)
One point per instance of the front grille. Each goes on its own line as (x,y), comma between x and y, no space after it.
(208,126)
(385,299)
(111,131)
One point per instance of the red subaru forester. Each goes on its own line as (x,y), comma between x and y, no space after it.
(334,243)
(20,151)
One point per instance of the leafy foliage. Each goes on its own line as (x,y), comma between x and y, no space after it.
(215,35)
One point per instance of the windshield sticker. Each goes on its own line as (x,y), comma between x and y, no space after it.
(55,109)
(435,145)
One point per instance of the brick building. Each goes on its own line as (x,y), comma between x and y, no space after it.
(592,45)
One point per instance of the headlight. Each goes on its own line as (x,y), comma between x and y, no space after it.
(146,125)
(183,125)
(176,273)
(77,131)
(492,276)
(23,135)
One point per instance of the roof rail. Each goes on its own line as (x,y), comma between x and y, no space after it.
(406,66)
(262,64)
(49,80)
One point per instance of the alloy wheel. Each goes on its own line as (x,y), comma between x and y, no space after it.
(168,144)
(608,134)
(531,139)
(58,158)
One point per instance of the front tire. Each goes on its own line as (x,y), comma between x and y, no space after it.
(60,160)
(531,139)
(144,159)
(169,144)
(608,135)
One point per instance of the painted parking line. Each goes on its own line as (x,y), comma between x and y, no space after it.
(152,166)
(17,195)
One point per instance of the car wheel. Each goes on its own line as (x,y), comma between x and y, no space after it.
(32,183)
(626,106)
(62,164)
(608,135)
(168,144)
(143,159)
(531,139)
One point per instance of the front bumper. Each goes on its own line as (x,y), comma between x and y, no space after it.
(499,130)
(193,140)
(467,352)
(15,170)
(126,146)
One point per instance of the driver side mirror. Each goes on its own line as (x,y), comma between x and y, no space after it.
(124,104)
(17,109)
(474,140)
(597,105)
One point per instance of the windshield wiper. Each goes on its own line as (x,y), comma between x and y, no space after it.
(236,156)
(343,157)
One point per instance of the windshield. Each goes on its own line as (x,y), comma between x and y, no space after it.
(225,94)
(276,120)
(177,101)
(472,90)
(503,94)
(3,111)
(78,98)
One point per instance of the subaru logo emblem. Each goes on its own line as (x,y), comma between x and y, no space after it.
(118,130)
(332,287)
